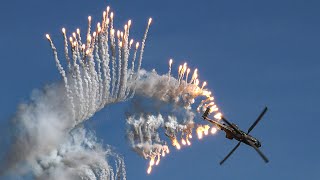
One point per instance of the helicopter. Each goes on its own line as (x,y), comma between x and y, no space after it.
(234,132)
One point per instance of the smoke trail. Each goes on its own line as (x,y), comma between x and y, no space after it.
(114,65)
(119,65)
(98,49)
(106,62)
(63,74)
(66,51)
(83,90)
(126,54)
(143,44)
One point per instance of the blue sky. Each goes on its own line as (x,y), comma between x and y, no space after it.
(251,53)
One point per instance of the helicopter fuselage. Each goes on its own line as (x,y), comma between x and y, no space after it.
(232,134)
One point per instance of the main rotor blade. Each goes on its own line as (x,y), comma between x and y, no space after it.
(230,153)
(258,119)
(259,152)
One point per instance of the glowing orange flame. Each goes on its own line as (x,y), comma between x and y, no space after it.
(180,67)
(170,62)
(158,161)
(183,142)
(206,129)
(129,23)
(213,109)
(121,34)
(149,170)
(188,142)
(176,144)
(204,84)
(199,132)
(218,116)
(48,36)
(213,130)
(89,38)
(151,161)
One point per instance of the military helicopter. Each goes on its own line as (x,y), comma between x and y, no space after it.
(234,132)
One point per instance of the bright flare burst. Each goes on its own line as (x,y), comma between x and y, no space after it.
(99,73)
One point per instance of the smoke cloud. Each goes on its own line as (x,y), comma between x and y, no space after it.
(46,144)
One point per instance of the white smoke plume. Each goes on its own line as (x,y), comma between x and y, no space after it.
(46,144)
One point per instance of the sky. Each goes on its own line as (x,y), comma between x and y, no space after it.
(251,53)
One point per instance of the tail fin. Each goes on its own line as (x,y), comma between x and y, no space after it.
(206,113)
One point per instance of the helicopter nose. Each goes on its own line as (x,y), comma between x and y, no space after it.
(258,144)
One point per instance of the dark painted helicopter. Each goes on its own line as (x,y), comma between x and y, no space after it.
(234,132)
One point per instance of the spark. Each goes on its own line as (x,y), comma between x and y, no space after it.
(158,160)
(218,116)
(48,36)
(204,84)
(152,161)
(188,142)
(183,142)
(129,23)
(200,132)
(206,129)
(213,130)
(176,144)
(188,71)
(149,170)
